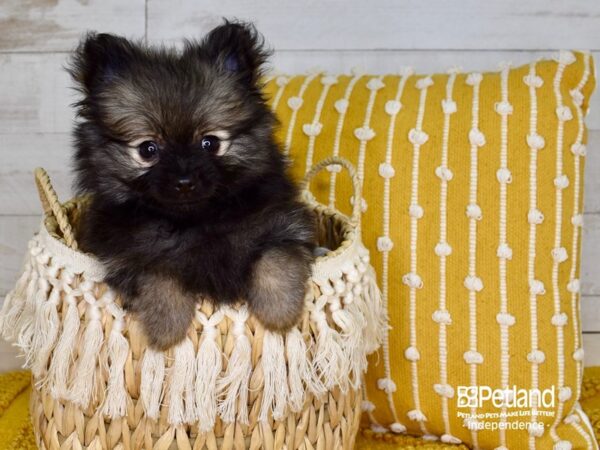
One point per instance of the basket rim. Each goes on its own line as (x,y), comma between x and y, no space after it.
(88,263)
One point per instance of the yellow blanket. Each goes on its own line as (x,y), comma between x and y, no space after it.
(16,432)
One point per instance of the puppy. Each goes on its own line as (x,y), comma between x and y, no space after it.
(189,192)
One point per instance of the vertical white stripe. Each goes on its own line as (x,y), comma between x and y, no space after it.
(534,142)
(292,124)
(341,107)
(368,407)
(504,318)
(581,420)
(386,230)
(360,170)
(314,128)
(473,357)
(558,254)
(281,82)
(418,137)
(443,250)
(573,282)
(585,435)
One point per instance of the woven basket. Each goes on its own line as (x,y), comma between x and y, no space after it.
(230,384)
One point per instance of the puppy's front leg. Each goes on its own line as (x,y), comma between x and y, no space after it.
(278,286)
(164,309)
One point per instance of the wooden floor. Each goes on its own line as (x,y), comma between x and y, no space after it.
(379,36)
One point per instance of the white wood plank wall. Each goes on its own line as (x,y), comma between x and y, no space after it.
(335,35)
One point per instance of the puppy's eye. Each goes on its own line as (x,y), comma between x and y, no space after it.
(211,143)
(148,150)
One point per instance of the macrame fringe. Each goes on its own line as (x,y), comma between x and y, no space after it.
(62,357)
(82,385)
(42,314)
(151,385)
(301,377)
(371,308)
(11,310)
(232,388)
(36,296)
(275,390)
(352,343)
(209,363)
(115,404)
(347,337)
(328,356)
(47,325)
(14,303)
(182,406)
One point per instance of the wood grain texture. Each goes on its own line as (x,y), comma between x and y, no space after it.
(590,257)
(55,25)
(590,313)
(15,232)
(591,344)
(21,154)
(591,194)
(390,24)
(35,94)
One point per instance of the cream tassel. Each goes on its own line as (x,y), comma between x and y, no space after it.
(153,375)
(275,390)
(182,407)
(82,385)
(209,363)
(62,357)
(14,303)
(344,322)
(115,405)
(26,324)
(328,356)
(352,323)
(358,359)
(11,310)
(233,387)
(47,325)
(31,319)
(371,306)
(300,373)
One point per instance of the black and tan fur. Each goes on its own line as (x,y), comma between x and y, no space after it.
(238,231)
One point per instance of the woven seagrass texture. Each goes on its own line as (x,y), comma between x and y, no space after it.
(328,423)
(230,384)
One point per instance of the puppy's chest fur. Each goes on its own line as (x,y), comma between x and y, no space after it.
(206,256)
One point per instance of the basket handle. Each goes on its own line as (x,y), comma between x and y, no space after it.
(52,206)
(356,187)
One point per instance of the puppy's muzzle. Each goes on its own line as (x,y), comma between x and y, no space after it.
(185,185)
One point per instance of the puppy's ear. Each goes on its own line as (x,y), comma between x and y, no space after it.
(236,48)
(99,59)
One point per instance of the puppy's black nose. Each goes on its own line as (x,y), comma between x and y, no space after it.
(184,185)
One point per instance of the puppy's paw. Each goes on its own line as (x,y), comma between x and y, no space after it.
(278,286)
(164,310)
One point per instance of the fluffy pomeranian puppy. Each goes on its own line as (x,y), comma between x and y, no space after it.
(189,192)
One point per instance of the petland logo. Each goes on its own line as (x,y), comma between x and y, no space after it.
(476,396)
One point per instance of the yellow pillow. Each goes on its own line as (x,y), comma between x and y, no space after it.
(472,211)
